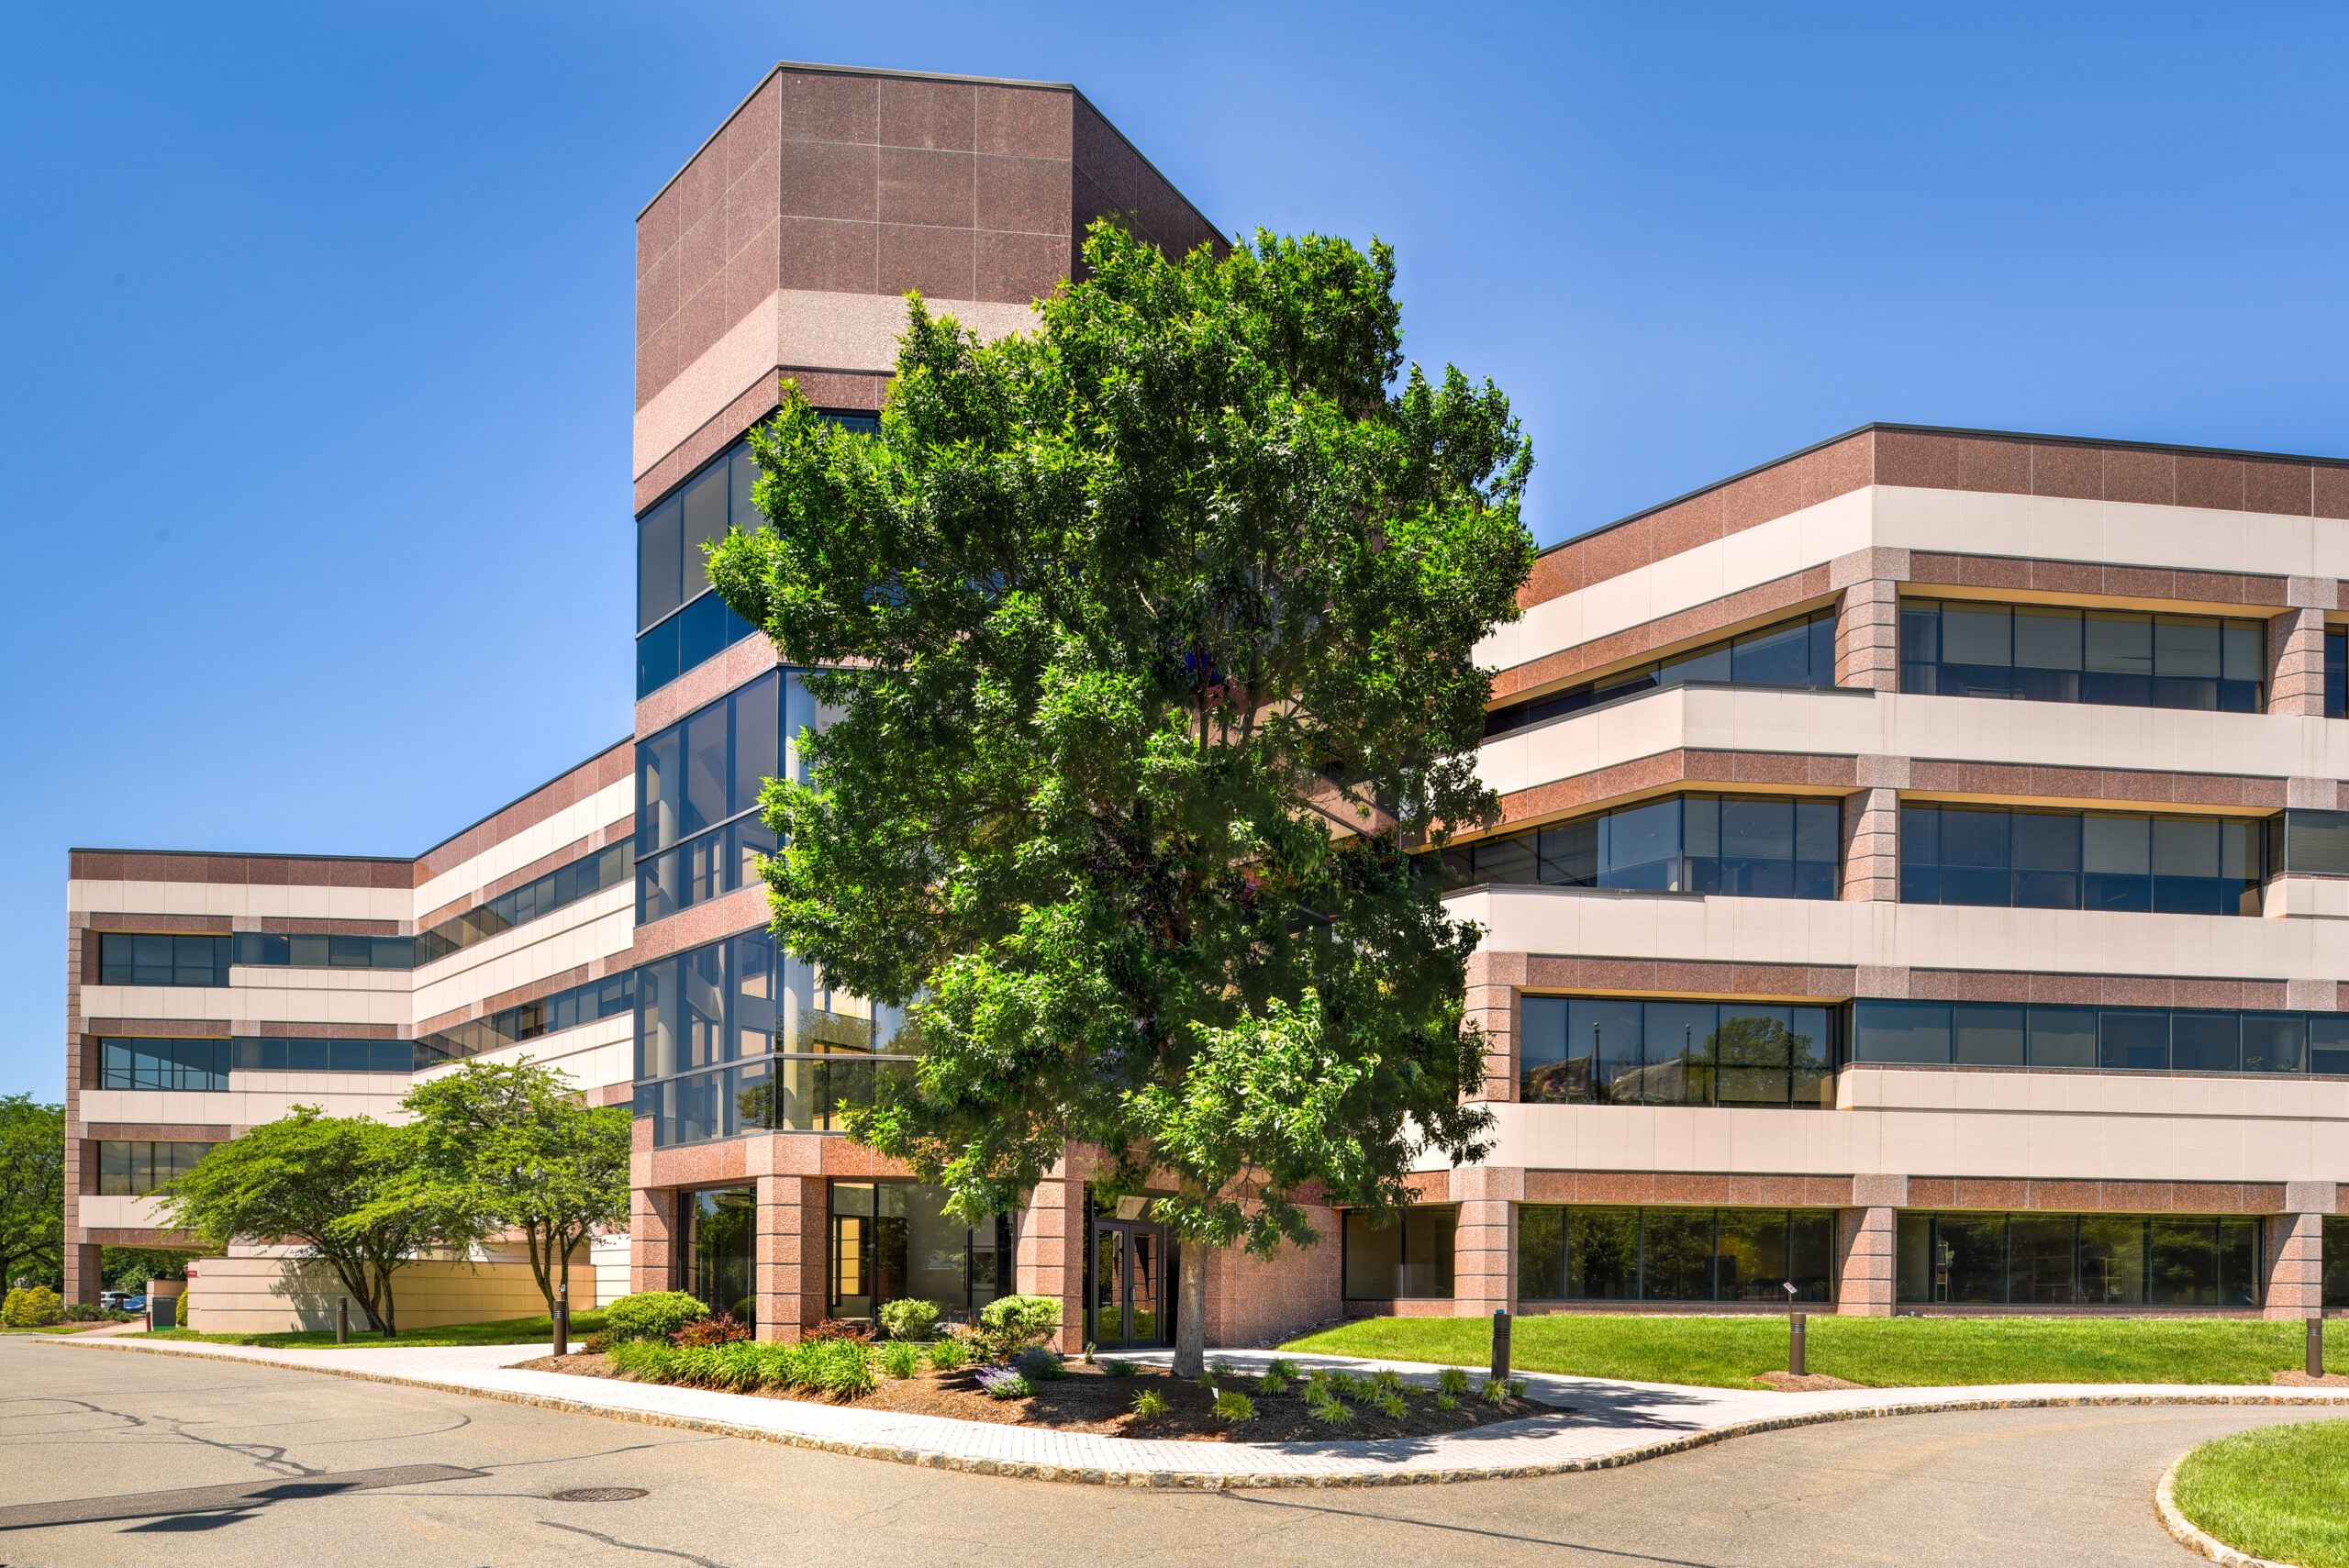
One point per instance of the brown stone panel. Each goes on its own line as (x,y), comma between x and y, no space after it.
(1686,526)
(328,1031)
(2066,577)
(1775,492)
(1022,122)
(606,766)
(2075,472)
(745,910)
(331,928)
(2146,477)
(1925,566)
(109,921)
(160,1028)
(1839,468)
(2332,492)
(159,1132)
(2213,482)
(1952,463)
(1930,1192)
(1993,572)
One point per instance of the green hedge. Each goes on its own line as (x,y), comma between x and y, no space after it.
(842,1368)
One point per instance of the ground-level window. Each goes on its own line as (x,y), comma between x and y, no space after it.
(2336,1260)
(892,1240)
(1405,1259)
(1674,1254)
(721,1250)
(135,1168)
(2087,1260)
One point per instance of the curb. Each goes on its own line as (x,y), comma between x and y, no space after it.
(2190,1535)
(1219,1481)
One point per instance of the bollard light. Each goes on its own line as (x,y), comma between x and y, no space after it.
(2316,1344)
(563,1321)
(1500,1343)
(342,1320)
(1794,1330)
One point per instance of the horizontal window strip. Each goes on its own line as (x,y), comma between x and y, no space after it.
(582,878)
(609,997)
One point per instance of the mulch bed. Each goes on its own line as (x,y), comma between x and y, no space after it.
(2302,1380)
(1808,1383)
(1089,1400)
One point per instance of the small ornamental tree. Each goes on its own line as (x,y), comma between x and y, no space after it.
(514,1148)
(1153,638)
(341,1186)
(33,1189)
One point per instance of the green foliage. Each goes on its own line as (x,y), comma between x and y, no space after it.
(1041,1365)
(841,1368)
(1089,1352)
(2278,1493)
(1234,1405)
(910,1318)
(1154,635)
(1516,1387)
(950,1353)
(1452,1380)
(344,1187)
(1330,1413)
(1116,1369)
(651,1315)
(1149,1404)
(32,1190)
(31,1306)
(1345,1385)
(1282,1368)
(1011,1324)
(1446,1402)
(129,1268)
(513,1148)
(901,1358)
(1493,1390)
(718,1329)
(1272,1382)
(179,1308)
(1013,1388)
(1391,1404)
(1386,1380)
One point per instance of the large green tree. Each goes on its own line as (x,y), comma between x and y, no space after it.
(514,1148)
(343,1187)
(1152,632)
(32,1190)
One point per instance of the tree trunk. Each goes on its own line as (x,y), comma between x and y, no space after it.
(1191,1311)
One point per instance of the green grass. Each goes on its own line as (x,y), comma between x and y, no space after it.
(1881,1353)
(59,1328)
(2276,1492)
(506,1331)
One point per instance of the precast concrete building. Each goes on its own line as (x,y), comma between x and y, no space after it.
(1923,885)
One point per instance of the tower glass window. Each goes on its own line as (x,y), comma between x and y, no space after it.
(1962,648)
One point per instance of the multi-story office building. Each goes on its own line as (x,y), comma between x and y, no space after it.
(1924,881)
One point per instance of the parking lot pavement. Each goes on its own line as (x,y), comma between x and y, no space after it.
(101,1454)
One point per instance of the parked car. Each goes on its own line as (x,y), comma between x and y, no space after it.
(112,1300)
(134,1303)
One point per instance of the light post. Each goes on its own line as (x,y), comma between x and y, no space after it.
(1794,1332)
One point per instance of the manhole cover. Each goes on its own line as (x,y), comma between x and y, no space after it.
(597,1495)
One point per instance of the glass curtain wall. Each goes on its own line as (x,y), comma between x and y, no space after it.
(2131,1039)
(721,1250)
(1627,1050)
(281,1053)
(1577,1253)
(199,1066)
(2078,1260)
(698,832)
(1773,846)
(2336,1260)
(2069,859)
(1406,1260)
(136,1168)
(137,958)
(1960,648)
(2312,842)
(895,1240)
(1796,652)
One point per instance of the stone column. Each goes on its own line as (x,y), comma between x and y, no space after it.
(1872,834)
(1867,618)
(83,1279)
(1493,982)
(792,1255)
(1866,1262)
(2294,1266)
(1048,1249)
(651,1262)
(2296,662)
(1484,1248)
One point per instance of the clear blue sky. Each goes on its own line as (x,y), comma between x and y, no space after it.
(316,322)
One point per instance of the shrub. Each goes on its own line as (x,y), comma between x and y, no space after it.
(1117,1369)
(1452,1380)
(1329,1413)
(651,1315)
(717,1330)
(596,1345)
(1516,1388)
(835,1328)
(179,1310)
(901,1358)
(1386,1380)
(1282,1368)
(1009,1324)
(1346,1386)
(1272,1382)
(1234,1405)
(1494,1392)
(841,1367)
(1445,1402)
(1002,1382)
(1391,1405)
(1149,1404)
(1041,1365)
(1089,1352)
(950,1353)
(911,1318)
(31,1306)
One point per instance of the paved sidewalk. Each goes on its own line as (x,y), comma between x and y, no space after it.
(1599,1423)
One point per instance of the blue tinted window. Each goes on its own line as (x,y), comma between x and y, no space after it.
(1798,652)
(698,833)
(1768,847)
(2051,653)
(199,1066)
(2054,860)
(127,957)
(590,874)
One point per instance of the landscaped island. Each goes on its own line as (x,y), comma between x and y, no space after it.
(2281,1493)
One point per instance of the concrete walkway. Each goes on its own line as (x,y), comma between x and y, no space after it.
(1600,1424)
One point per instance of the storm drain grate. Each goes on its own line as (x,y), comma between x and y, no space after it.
(597,1495)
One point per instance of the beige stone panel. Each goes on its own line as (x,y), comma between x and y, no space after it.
(2121,533)
(810,328)
(1711,571)
(100,1211)
(2307,897)
(237,1294)
(593,929)
(594,1055)
(614,802)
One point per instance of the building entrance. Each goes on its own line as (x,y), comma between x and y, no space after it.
(1127,1307)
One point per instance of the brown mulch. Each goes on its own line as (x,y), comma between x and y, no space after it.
(2302,1380)
(1808,1383)
(1089,1400)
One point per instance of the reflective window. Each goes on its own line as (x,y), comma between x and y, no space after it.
(568,1009)
(2078,1260)
(2336,1260)
(135,1169)
(895,1241)
(279,1054)
(2128,1040)
(1627,1050)
(2063,859)
(698,832)
(1766,847)
(721,1250)
(1408,1259)
(1961,648)
(2312,842)
(1674,1254)
(136,958)
(199,1066)
(1798,652)
(300,951)
(582,878)
(2336,674)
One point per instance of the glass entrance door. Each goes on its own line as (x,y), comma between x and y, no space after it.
(1125,1285)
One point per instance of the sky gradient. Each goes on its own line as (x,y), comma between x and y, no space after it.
(318,321)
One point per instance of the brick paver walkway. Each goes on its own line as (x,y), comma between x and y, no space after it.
(1599,1423)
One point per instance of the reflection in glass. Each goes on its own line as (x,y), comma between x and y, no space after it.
(1798,652)
(1594,1253)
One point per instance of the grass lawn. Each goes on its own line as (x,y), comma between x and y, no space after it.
(2275,1492)
(1881,1353)
(59,1328)
(506,1331)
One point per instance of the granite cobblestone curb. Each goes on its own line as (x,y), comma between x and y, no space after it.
(2191,1535)
(1338,1463)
